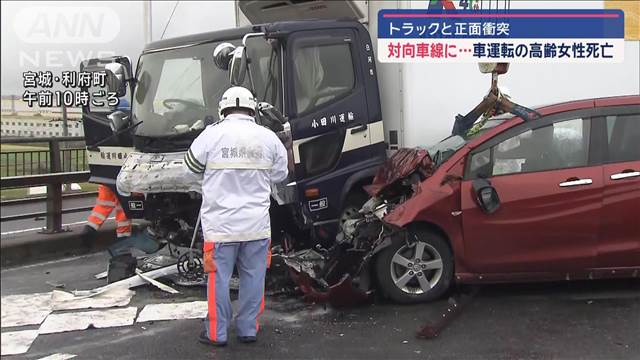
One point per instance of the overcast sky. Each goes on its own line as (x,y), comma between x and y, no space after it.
(58,35)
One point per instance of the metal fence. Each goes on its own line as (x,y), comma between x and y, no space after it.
(33,162)
(46,167)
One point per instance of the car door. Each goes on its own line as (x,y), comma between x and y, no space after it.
(620,231)
(550,188)
(107,152)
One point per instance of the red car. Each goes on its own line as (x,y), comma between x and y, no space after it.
(553,198)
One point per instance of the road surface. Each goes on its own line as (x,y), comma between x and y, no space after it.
(35,224)
(573,320)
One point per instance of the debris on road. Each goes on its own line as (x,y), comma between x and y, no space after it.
(156,283)
(455,306)
(17,342)
(27,309)
(57,323)
(130,282)
(55,284)
(176,311)
(62,300)
(58,356)
(101,275)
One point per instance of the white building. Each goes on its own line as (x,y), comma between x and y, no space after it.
(36,127)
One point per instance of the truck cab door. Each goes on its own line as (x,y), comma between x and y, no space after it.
(106,153)
(327,102)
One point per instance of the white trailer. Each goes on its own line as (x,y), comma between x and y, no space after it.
(421,100)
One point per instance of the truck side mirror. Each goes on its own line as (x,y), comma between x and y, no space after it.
(238,66)
(222,55)
(272,112)
(116,78)
(118,120)
(486,196)
(271,117)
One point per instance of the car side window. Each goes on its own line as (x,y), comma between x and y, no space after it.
(322,73)
(623,137)
(561,145)
(480,166)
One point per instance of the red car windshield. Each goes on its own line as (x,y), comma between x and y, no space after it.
(443,150)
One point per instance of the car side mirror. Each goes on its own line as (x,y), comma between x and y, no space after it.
(118,120)
(238,66)
(486,196)
(116,78)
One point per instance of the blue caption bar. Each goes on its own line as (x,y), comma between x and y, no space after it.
(505,24)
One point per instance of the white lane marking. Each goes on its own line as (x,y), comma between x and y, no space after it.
(56,323)
(40,228)
(173,311)
(25,309)
(17,342)
(116,297)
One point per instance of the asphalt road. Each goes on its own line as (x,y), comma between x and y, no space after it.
(575,320)
(35,224)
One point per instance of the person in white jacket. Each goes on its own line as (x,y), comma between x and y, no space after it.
(238,160)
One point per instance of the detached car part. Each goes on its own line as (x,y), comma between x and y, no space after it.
(410,265)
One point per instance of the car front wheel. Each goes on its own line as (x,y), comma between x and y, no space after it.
(416,271)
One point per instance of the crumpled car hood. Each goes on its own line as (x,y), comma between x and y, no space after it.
(401,164)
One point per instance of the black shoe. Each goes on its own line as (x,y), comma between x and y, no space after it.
(247,339)
(203,338)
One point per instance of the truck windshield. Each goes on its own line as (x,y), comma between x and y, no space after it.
(177,88)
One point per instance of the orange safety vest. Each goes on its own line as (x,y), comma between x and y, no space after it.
(106,202)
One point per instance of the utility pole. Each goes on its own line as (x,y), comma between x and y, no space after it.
(146,23)
(65,130)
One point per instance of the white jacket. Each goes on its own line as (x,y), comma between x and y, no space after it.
(239,161)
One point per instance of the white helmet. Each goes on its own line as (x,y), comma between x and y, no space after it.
(236,97)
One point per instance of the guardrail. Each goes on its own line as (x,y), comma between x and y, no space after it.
(53,180)
(31,162)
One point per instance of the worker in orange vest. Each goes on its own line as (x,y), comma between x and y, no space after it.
(122,263)
(107,201)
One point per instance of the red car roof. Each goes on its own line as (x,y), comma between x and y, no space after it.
(589,103)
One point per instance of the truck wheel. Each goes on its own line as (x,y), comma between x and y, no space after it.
(352,205)
(418,272)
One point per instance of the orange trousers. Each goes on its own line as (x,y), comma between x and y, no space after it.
(108,201)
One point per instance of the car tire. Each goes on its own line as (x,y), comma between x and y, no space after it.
(402,278)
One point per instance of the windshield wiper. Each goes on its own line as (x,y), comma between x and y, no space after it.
(94,147)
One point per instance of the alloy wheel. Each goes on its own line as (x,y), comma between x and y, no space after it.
(416,268)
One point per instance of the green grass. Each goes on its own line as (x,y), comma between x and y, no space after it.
(17,160)
(21,147)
